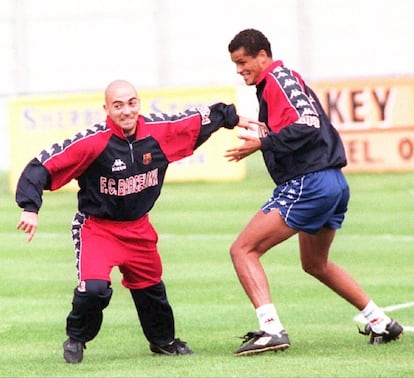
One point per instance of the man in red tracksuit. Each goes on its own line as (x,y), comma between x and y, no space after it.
(120,165)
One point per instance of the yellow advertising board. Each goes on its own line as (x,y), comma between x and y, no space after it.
(379,150)
(376,120)
(36,122)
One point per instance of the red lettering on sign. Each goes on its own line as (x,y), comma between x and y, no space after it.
(406,148)
(359,151)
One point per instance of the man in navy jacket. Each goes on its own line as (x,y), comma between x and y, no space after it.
(304,155)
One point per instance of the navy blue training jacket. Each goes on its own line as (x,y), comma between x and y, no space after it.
(299,138)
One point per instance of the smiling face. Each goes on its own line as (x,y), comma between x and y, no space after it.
(122,105)
(248,66)
(251,51)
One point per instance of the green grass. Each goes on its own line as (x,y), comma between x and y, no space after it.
(197,223)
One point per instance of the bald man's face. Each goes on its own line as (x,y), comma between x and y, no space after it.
(122,105)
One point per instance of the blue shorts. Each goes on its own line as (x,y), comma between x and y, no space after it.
(312,201)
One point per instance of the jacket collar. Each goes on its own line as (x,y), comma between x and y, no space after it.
(271,67)
(116,129)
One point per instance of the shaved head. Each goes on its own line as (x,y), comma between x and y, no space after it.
(118,86)
(122,105)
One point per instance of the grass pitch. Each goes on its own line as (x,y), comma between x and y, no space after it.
(197,223)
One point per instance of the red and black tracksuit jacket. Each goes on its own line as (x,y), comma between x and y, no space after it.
(120,178)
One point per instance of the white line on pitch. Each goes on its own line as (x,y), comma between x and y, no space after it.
(386,237)
(397,306)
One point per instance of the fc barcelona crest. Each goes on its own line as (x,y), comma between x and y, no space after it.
(147,158)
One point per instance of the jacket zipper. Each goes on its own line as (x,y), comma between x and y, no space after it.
(131,149)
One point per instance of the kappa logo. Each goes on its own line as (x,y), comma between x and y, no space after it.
(289,83)
(118,165)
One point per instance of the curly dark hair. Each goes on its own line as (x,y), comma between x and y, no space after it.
(252,41)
